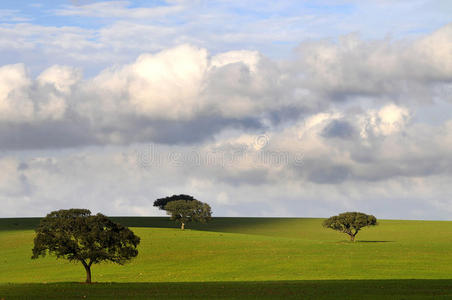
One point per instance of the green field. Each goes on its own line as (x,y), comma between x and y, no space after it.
(251,258)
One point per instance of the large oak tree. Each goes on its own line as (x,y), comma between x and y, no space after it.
(76,235)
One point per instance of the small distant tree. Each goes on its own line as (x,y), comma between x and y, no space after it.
(162,202)
(76,235)
(350,223)
(183,211)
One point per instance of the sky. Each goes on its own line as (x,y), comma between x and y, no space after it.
(259,108)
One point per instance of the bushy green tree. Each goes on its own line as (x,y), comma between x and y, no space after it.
(76,235)
(350,223)
(162,202)
(183,211)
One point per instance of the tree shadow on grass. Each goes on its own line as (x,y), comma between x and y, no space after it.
(348,242)
(375,241)
(217,224)
(18,224)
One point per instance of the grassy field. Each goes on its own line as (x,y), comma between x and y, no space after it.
(244,258)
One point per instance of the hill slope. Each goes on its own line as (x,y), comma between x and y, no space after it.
(247,249)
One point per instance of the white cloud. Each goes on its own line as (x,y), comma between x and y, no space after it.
(434,52)
(249,58)
(24,100)
(356,67)
(61,77)
(168,84)
(15,104)
(388,120)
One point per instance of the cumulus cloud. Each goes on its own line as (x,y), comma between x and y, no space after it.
(165,85)
(352,66)
(62,78)
(176,95)
(249,58)
(389,119)
(15,104)
(335,151)
(26,101)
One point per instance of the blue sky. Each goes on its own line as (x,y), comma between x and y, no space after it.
(274,29)
(260,108)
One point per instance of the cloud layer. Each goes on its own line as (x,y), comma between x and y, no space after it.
(185,95)
(346,124)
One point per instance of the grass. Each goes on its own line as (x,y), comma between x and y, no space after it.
(252,257)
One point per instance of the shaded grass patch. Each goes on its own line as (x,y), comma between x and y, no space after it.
(315,289)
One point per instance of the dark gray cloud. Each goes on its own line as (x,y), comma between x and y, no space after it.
(22,166)
(46,135)
(332,174)
(339,129)
(144,130)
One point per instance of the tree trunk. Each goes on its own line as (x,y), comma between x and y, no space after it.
(88,271)
(352,237)
(88,274)
(182,226)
